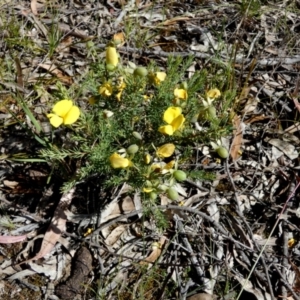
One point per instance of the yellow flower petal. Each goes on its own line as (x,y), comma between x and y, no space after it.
(157,78)
(121,84)
(166,129)
(112,57)
(162,167)
(165,150)
(156,167)
(291,242)
(161,76)
(105,89)
(169,165)
(213,93)
(118,95)
(147,98)
(72,115)
(118,161)
(178,122)
(181,94)
(171,114)
(64,112)
(55,120)
(61,108)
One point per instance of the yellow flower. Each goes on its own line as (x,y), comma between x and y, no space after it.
(165,150)
(147,98)
(64,112)
(175,120)
(169,165)
(105,89)
(180,94)
(147,159)
(117,161)
(213,94)
(291,242)
(157,166)
(157,78)
(161,76)
(121,86)
(118,95)
(112,57)
(162,167)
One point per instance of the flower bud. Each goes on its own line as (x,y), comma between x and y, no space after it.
(195,118)
(140,72)
(110,67)
(153,195)
(212,113)
(132,149)
(107,114)
(179,175)
(112,57)
(137,135)
(148,183)
(222,152)
(184,85)
(147,158)
(172,194)
(90,44)
(162,187)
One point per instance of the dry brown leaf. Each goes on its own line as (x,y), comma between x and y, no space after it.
(294,95)
(296,284)
(296,102)
(125,205)
(9,239)
(201,296)
(10,184)
(20,81)
(251,105)
(156,252)
(256,118)
(114,236)
(64,45)
(175,20)
(287,148)
(237,139)
(243,95)
(58,73)
(154,255)
(33,6)
(56,227)
(293,128)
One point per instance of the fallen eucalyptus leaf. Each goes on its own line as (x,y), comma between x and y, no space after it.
(287,148)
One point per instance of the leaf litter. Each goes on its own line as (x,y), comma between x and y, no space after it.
(219,228)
